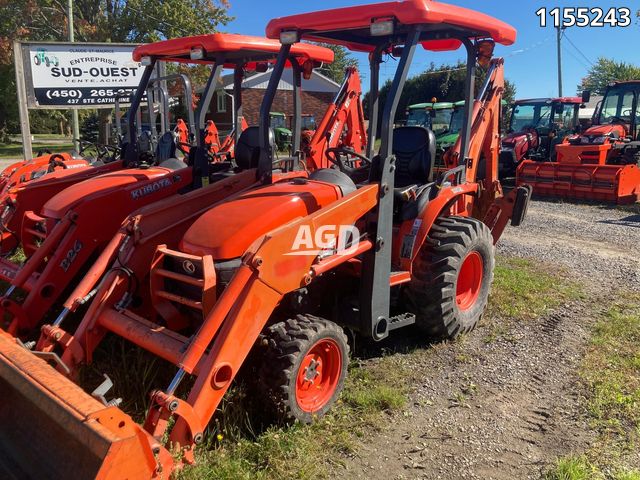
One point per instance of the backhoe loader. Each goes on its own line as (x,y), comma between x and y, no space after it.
(269,273)
(603,162)
(63,239)
(165,222)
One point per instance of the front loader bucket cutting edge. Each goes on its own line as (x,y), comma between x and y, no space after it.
(608,183)
(50,428)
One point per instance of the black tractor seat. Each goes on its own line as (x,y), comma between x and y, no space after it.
(173,164)
(166,148)
(415,152)
(335,177)
(247,151)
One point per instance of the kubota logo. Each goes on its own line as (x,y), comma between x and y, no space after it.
(327,240)
(151,188)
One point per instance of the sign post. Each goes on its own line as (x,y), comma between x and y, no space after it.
(71,76)
(23,110)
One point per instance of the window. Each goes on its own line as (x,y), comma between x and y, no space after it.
(530,116)
(618,105)
(222,101)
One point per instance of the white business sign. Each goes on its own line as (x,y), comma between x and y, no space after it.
(79,75)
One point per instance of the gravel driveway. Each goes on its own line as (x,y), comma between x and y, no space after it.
(505,409)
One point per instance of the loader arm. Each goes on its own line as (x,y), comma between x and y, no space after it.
(345,111)
(248,302)
(213,355)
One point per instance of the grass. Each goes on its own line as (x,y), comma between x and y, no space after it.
(579,467)
(524,290)
(238,450)
(611,373)
(14,150)
(571,468)
(305,451)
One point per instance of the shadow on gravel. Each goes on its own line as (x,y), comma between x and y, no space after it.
(630,221)
(406,340)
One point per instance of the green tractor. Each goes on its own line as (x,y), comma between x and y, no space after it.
(433,115)
(282,133)
(443,118)
(449,136)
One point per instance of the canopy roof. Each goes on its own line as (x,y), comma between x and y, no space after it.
(231,47)
(350,26)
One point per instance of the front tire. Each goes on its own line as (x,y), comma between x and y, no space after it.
(452,277)
(303,370)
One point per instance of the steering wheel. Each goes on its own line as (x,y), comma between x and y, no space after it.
(616,119)
(56,160)
(109,152)
(41,153)
(86,145)
(335,154)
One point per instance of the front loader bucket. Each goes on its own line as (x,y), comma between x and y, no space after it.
(605,183)
(50,428)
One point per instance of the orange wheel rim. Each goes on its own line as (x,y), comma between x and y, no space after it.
(319,375)
(469,281)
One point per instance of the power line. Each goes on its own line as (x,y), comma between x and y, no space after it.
(578,50)
(576,58)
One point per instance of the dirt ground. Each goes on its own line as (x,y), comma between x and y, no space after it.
(507,408)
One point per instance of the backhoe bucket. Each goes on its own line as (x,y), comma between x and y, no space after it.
(608,183)
(50,428)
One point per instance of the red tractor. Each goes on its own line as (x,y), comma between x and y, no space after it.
(536,127)
(603,162)
(374,244)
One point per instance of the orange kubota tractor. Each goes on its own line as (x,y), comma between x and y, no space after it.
(18,199)
(131,251)
(44,163)
(74,226)
(374,244)
(603,162)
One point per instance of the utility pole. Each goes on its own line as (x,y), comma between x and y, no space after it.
(75,123)
(559,61)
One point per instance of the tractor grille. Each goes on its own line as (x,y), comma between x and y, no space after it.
(34,232)
(187,283)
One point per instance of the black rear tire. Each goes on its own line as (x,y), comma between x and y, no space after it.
(304,347)
(452,277)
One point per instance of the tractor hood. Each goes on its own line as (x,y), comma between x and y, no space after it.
(127,185)
(520,143)
(516,138)
(226,231)
(447,139)
(606,130)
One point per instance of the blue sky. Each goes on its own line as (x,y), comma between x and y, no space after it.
(530,63)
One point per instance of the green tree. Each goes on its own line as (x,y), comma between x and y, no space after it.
(133,21)
(343,59)
(606,71)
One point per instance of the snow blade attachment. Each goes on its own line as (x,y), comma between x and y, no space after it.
(610,183)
